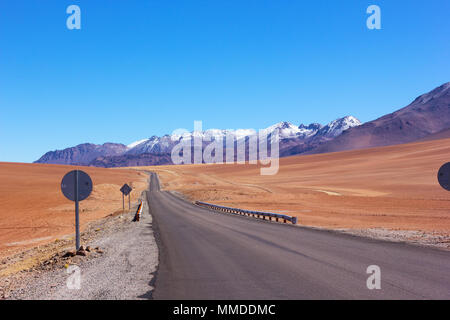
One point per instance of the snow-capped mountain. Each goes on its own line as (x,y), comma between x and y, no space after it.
(152,145)
(285,130)
(336,127)
(134,144)
(160,147)
(311,129)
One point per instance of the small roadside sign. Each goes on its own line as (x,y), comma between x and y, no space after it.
(444,176)
(71,189)
(76,186)
(126,189)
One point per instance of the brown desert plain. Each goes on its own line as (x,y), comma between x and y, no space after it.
(33,210)
(392,187)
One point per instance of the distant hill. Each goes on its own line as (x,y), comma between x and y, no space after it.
(444,134)
(426,115)
(82,154)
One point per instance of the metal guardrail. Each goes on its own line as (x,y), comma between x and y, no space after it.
(249,213)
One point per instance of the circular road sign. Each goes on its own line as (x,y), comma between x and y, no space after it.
(444,176)
(69,184)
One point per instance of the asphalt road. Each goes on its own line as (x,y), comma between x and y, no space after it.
(208,255)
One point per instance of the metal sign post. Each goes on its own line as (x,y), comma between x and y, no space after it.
(77,213)
(76,186)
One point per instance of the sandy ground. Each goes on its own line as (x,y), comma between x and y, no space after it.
(379,189)
(33,210)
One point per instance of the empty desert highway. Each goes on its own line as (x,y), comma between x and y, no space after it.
(207,255)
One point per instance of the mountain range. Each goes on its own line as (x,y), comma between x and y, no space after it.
(427,117)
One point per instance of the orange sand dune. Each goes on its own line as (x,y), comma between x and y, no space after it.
(391,187)
(33,209)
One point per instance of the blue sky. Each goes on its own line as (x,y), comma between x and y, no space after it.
(143,68)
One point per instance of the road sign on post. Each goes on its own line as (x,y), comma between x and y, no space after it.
(76,186)
(444,176)
(126,189)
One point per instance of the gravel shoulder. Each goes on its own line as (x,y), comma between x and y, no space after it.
(123,266)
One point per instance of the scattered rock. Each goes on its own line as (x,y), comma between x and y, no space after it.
(69,254)
(81,252)
(88,249)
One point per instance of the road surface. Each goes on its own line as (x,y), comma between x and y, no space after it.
(208,255)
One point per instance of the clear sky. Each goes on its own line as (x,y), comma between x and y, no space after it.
(143,68)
